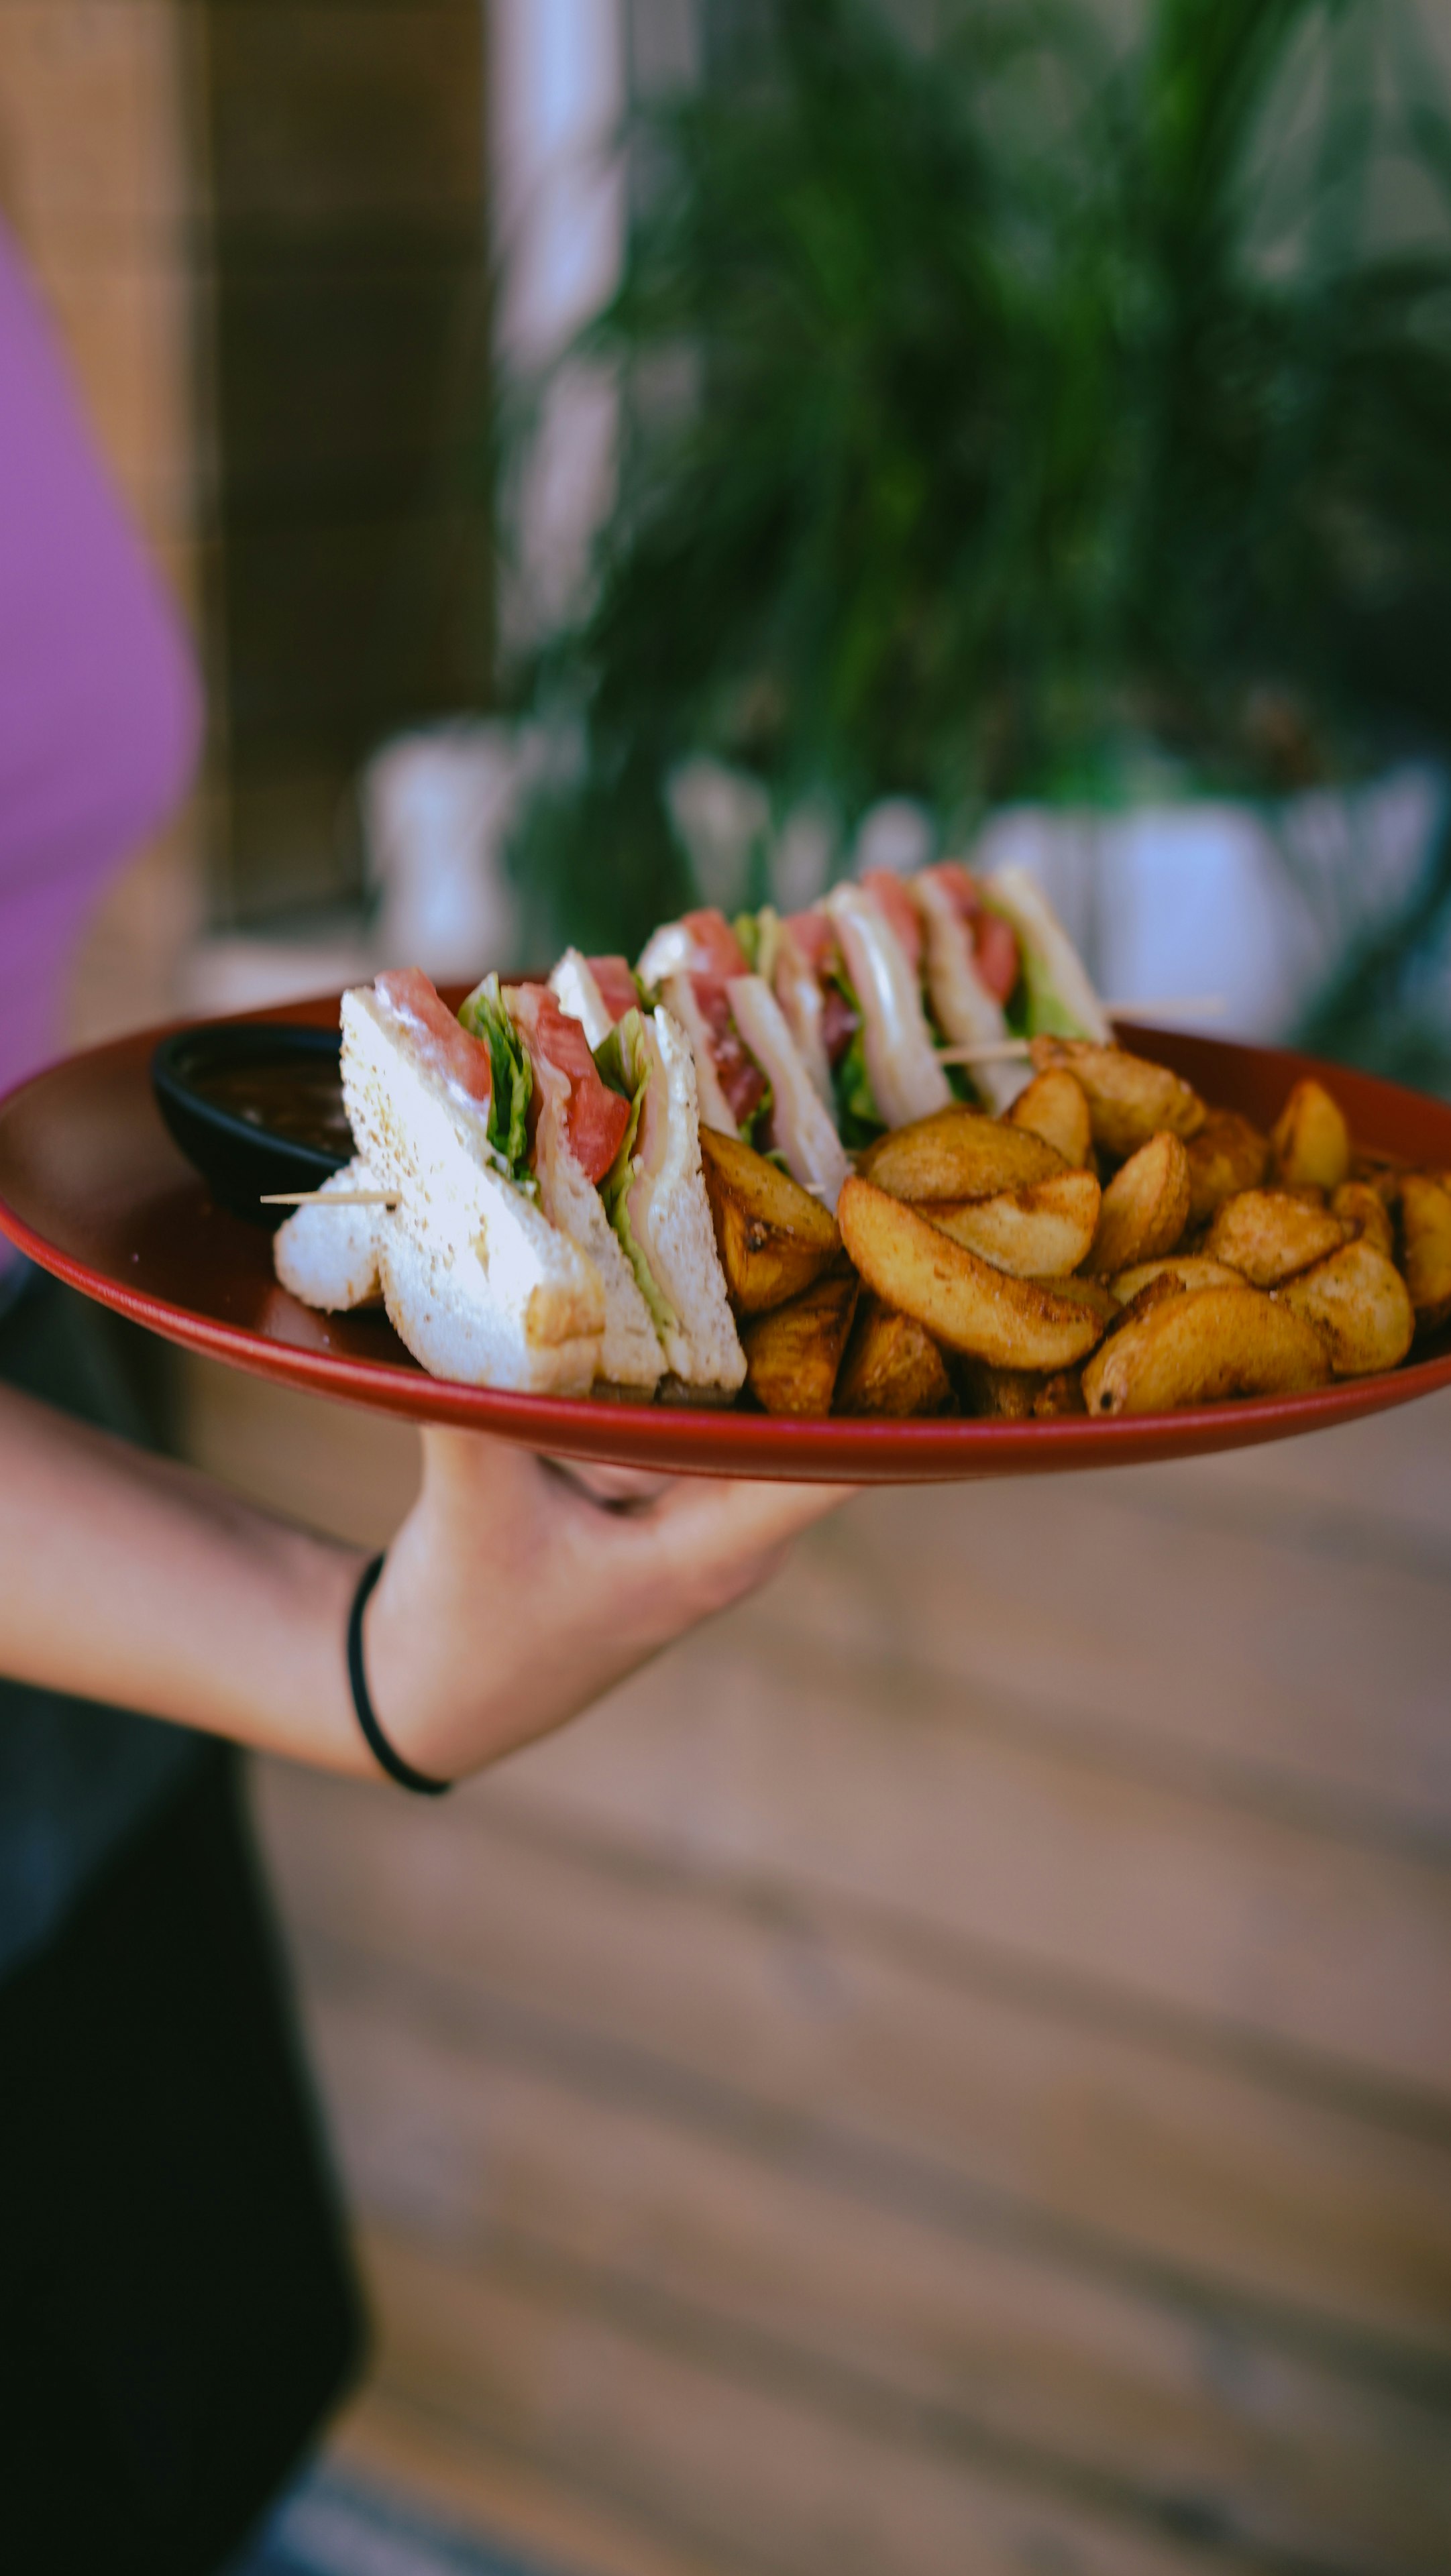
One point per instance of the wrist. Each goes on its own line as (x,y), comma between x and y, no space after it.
(403,1773)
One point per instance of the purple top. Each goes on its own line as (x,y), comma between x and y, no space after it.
(99,707)
(98,727)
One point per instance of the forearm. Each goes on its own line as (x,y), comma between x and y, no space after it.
(129,1579)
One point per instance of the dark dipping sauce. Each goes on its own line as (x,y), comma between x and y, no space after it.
(299,1097)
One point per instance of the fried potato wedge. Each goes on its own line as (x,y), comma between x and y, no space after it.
(1020,1395)
(1359,1304)
(1129,1099)
(1310,1140)
(794,1353)
(1360,1206)
(1227,1155)
(1145,1207)
(957,1297)
(892,1367)
(774,1238)
(1267,1235)
(1095,1294)
(958,1153)
(1200,1348)
(1059,1396)
(1055,1107)
(1036,1233)
(999,1394)
(1426,1247)
(1190,1269)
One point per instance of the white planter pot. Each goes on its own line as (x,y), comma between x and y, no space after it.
(1257,904)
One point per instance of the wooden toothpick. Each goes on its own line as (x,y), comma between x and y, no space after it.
(328,1198)
(1192,1006)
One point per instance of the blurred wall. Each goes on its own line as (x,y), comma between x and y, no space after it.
(348,583)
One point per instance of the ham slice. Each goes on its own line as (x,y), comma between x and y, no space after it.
(593,1118)
(462,1062)
(801,1129)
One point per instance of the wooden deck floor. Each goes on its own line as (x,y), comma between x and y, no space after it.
(949,2072)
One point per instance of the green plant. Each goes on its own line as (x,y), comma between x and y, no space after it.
(1047,402)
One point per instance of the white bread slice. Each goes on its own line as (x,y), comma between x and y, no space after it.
(964,1010)
(1042,934)
(329,1256)
(576,991)
(670,1214)
(478,1283)
(907,1080)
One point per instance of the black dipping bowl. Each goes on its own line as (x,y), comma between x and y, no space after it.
(251,1106)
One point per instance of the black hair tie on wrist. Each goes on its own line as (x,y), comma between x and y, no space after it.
(382,1751)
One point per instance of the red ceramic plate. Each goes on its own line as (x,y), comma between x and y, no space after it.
(92,1188)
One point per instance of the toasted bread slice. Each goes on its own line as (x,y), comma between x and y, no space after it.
(328,1256)
(477,1280)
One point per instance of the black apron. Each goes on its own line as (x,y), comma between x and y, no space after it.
(177,2308)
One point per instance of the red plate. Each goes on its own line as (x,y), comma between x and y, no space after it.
(92,1188)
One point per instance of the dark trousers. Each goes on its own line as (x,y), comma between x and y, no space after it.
(177,2309)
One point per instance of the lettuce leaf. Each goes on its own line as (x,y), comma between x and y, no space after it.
(858,1119)
(755,1126)
(1042,1014)
(485,1018)
(624,1063)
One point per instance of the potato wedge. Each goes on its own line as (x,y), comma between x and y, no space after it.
(1059,1396)
(1095,1294)
(774,1238)
(1359,1304)
(959,1298)
(1129,1099)
(1191,1269)
(1360,1206)
(1310,1140)
(1036,1233)
(794,1353)
(1426,1247)
(1021,1395)
(958,1153)
(1227,1155)
(1266,1235)
(1145,1207)
(999,1394)
(1055,1107)
(892,1368)
(1200,1348)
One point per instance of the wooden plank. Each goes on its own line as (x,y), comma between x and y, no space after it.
(712,2458)
(806,1768)
(332,1466)
(1018,2109)
(452,2471)
(741,2243)
(1253,1654)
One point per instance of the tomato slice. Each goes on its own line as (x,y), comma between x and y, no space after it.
(443,1044)
(616,985)
(595,1118)
(715,949)
(995,954)
(813,935)
(899,912)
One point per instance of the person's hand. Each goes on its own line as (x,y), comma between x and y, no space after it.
(519,1590)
